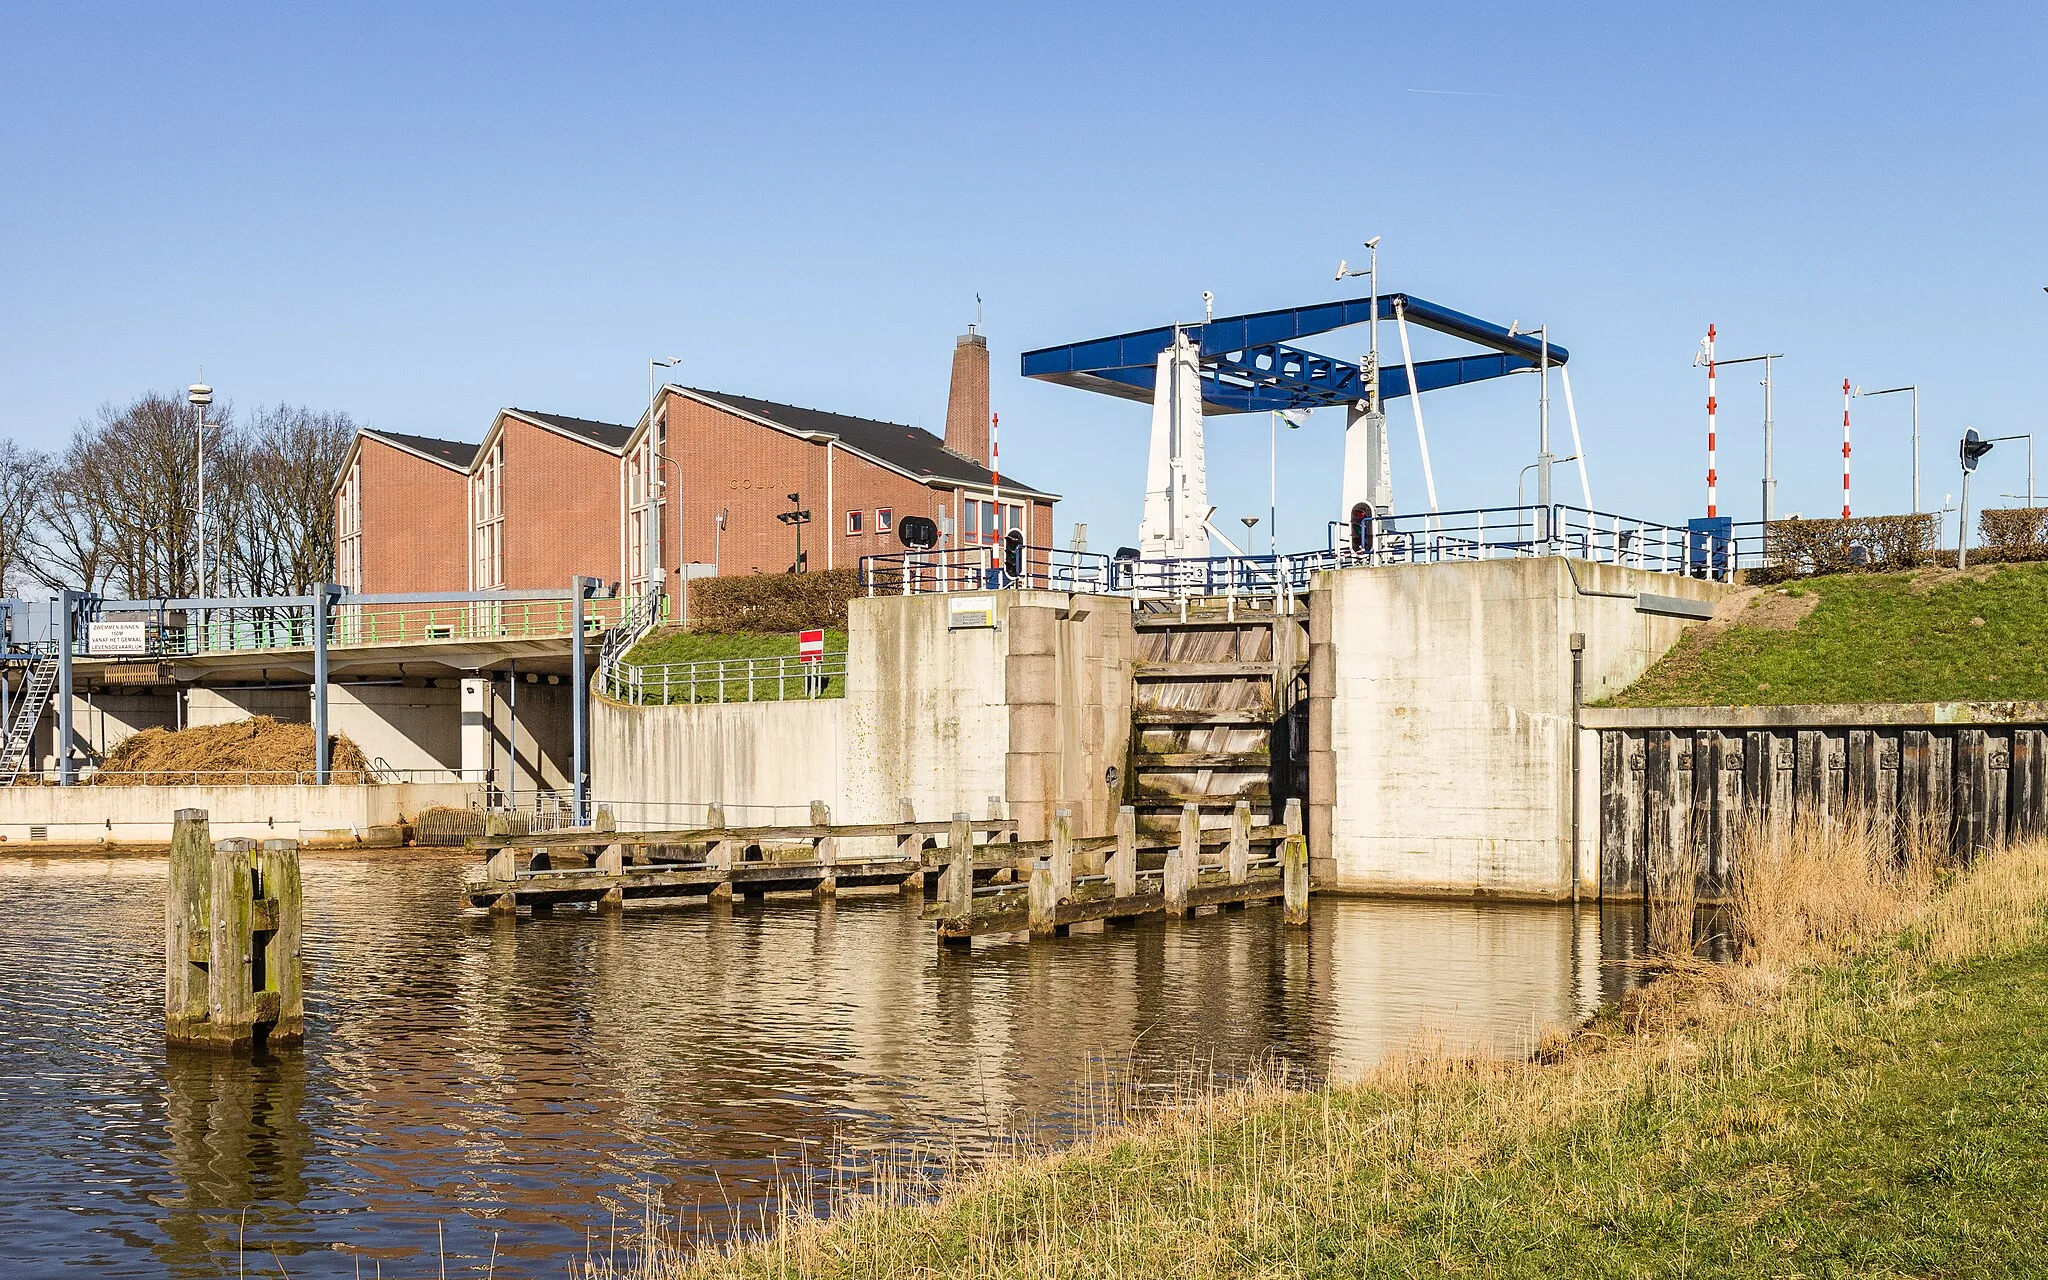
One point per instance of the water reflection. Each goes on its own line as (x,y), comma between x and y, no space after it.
(470,1083)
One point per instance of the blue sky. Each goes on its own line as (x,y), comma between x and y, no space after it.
(419,214)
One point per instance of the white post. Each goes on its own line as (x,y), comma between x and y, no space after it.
(1571,412)
(1415,403)
(1712,409)
(1845,448)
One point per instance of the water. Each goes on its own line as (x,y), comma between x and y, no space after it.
(467,1083)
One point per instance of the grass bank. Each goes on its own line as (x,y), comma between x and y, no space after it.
(1864,1096)
(1931,635)
(673,644)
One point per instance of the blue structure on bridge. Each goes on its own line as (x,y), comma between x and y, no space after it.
(1249,365)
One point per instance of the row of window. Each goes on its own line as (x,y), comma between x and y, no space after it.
(856,521)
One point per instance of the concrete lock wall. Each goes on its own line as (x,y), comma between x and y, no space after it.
(1033,710)
(1440,724)
(406,727)
(118,815)
(658,767)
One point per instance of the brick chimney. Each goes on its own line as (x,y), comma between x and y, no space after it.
(967,402)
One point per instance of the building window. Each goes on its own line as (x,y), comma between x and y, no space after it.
(487,514)
(853,524)
(984,522)
(348,567)
(885,519)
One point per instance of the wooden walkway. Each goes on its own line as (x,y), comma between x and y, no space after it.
(716,861)
(986,881)
(1247,864)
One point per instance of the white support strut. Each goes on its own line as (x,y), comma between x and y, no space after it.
(1415,403)
(1571,411)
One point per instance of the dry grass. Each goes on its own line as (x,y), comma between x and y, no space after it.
(259,749)
(1686,1123)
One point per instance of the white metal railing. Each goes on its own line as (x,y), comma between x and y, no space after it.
(784,678)
(1482,533)
(371,774)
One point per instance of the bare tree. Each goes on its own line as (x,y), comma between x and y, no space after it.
(24,494)
(283,531)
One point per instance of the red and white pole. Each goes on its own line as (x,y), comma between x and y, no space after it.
(1712,409)
(1845,448)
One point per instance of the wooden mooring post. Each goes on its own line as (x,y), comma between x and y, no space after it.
(232,969)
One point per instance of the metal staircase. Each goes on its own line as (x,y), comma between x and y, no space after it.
(34,697)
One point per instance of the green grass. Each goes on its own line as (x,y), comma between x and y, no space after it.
(669,645)
(1883,1112)
(1872,638)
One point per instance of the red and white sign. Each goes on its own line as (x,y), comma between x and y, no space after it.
(810,646)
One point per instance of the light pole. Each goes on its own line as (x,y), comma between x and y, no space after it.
(200,395)
(1915,389)
(1294,418)
(1524,475)
(717,545)
(1770,495)
(796,517)
(2027,436)
(656,465)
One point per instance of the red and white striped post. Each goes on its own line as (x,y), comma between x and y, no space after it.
(1712,409)
(1845,448)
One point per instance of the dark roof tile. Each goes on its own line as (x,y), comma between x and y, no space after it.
(913,449)
(453,453)
(608,434)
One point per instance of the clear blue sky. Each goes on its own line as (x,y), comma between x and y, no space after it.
(419,214)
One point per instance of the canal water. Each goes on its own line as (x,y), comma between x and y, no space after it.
(471,1085)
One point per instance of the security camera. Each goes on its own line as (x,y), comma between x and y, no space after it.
(1207,297)
(1341,264)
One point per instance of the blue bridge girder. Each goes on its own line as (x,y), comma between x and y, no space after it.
(1249,366)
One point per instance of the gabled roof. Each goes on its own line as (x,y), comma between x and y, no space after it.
(453,454)
(610,436)
(914,451)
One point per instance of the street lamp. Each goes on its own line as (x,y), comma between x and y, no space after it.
(1770,507)
(1915,389)
(796,517)
(2027,436)
(1523,475)
(200,395)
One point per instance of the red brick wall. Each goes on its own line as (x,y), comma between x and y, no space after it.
(415,522)
(719,460)
(561,508)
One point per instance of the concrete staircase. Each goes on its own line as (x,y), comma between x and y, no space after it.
(1214,716)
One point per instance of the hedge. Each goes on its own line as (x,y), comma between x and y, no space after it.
(1802,547)
(2015,530)
(772,602)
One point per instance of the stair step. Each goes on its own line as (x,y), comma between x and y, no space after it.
(1248,716)
(1202,670)
(1200,760)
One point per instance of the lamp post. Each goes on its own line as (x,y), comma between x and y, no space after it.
(2027,436)
(656,465)
(717,544)
(796,517)
(1524,475)
(200,395)
(1770,494)
(1915,389)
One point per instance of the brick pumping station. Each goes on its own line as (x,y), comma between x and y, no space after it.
(1019,735)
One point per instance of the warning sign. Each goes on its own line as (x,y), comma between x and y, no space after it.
(810,646)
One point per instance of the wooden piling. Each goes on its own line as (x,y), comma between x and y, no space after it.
(910,846)
(1238,856)
(232,964)
(828,850)
(612,862)
(1294,878)
(1184,861)
(956,883)
(1123,865)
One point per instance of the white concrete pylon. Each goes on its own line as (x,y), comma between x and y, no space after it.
(1176,475)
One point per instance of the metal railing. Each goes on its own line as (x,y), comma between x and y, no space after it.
(1481,533)
(784,678)
(370,775)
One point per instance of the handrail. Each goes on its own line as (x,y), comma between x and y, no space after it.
(781,678)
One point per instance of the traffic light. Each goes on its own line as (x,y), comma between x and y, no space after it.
(1974,447)
(1013,553)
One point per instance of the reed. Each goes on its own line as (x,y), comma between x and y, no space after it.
(1708,1123)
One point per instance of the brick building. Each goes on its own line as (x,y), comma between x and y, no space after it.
(544,496)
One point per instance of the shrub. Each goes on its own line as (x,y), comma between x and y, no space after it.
(2014,530)
(1800,547)
(773,602)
